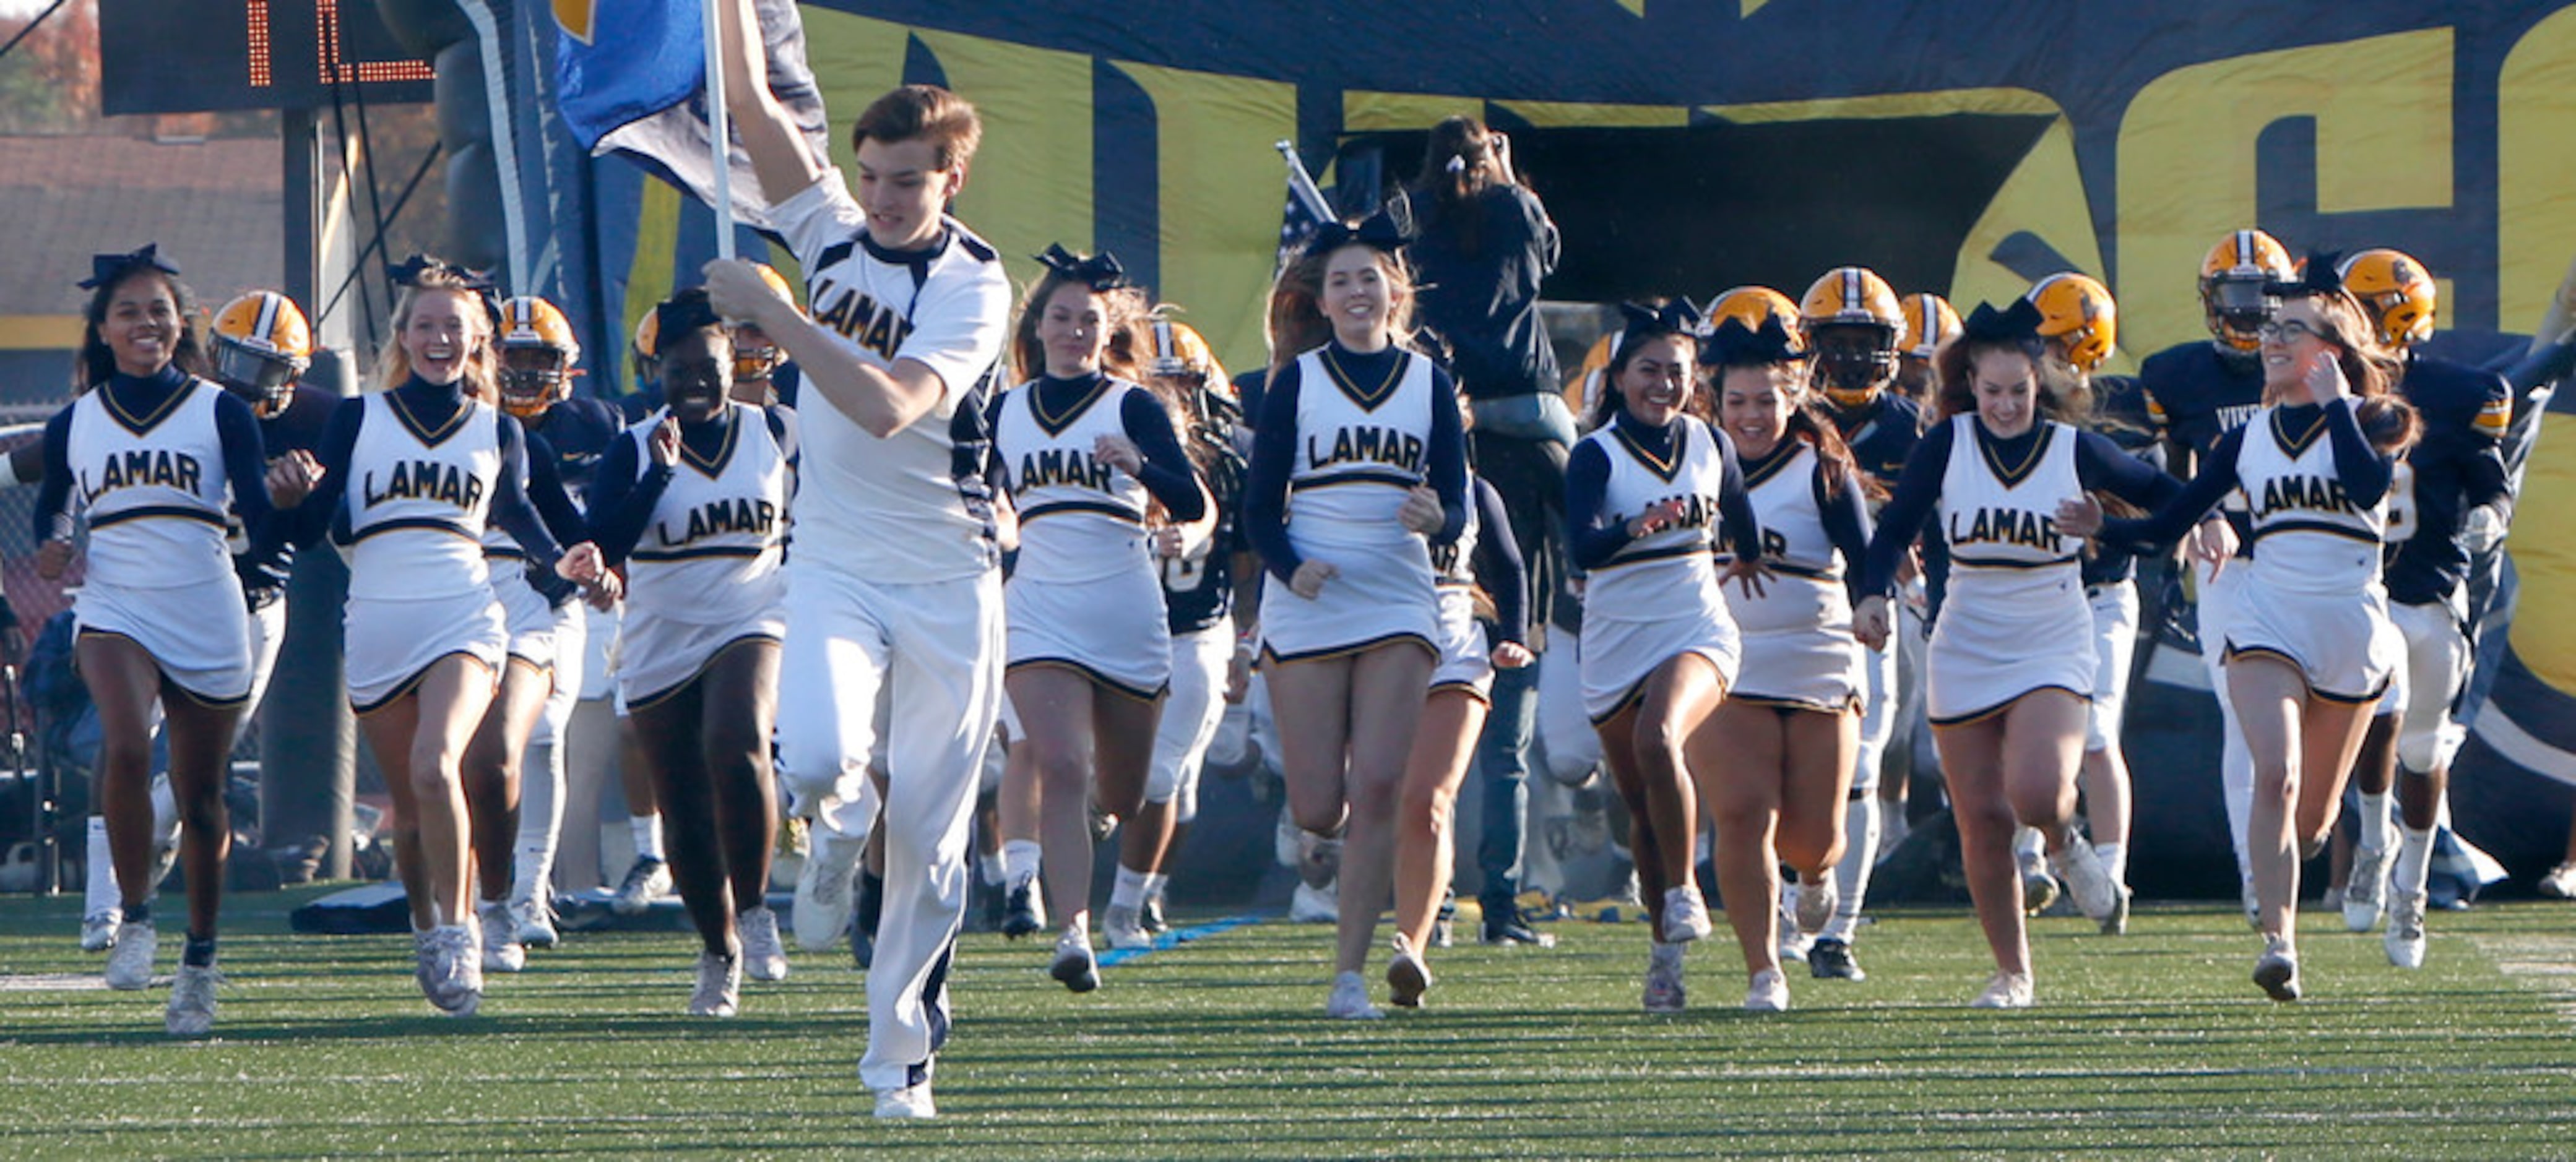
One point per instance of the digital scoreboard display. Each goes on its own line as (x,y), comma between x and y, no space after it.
(200,56)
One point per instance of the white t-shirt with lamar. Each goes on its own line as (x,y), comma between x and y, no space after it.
(913,507)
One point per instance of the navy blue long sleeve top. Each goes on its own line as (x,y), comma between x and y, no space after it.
(2363,471)
(2100,466)
(434,404)
(1594,535)
(1274,454)
(236,428)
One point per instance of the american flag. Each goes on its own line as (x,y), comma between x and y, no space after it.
(1306,211)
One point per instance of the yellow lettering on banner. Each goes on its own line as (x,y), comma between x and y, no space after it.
(2382,107)
(2543,631)
(2044,196)
(657,238)
(1031,185)
(2536,182)
(1365,112)
(1223,187)
(855,61)
(1577,115)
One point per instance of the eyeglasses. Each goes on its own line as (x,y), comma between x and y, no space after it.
(2288,330)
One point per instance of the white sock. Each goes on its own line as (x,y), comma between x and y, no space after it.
(647,830)
(1129,891)
(541,803)
(1155,882)
(2115,860)
(989,869)
(98,889)
(2414,860)
(2374,820)
(1020,860)
(2029,846)
(1851,875)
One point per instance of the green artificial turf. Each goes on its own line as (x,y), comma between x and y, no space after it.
(2153,1044)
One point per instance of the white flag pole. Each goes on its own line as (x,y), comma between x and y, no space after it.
(719,129)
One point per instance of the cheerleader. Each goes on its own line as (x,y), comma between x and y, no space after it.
(1365,432)
(1200,570)
(1082,451)
(694,500)
(2010,665)
(2310,648)
(1484,626)
(1658,652)
(154,451)
(1791,726)
(536,353)
(417,470)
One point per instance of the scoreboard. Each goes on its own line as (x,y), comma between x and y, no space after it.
(197,56)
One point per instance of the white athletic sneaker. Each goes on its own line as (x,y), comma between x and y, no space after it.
(2038,888)
(1686,915)
(2560,883)
(1793,943)
(1314,905)
(763,957)
(2405,937)
(501,950)
(1075,965)
(2365,892)
(2277,971)
(1023,909)
(1769,993)
(1124,928)
(911,1101)
(2081,871)
(2117,923)
(2253,907)
(1407,978)
(1665,992)
(1817,899)
(98,930)
(823,904)
(129,967)
(192,1001)
(536,922)
(455,973)
(2007,990)
(719,991)
(1350,1001)
(647,880)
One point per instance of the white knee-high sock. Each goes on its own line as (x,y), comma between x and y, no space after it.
(2374,820)
(647,830)
(1851,874)
(98,887)
(2414,860)
(1020,859)
(1129,891)
(541,812)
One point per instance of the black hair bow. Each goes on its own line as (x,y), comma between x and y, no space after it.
(1379,231)
(2018,323)
(1677,317)
(682,313)
(1734,344)
(1100,272)
(105,269)
(409,272)
(2323,276)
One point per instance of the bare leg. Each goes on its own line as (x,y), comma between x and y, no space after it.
(490,773)
(1426,832)
(1387,688)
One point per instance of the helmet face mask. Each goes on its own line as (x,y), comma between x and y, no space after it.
(264,380)
(1854,361)
(2236,307)
(534,379)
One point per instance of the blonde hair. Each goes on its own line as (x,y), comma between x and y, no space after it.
(1297,322)
(482,372)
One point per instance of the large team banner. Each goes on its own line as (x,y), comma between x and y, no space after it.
(1688,147)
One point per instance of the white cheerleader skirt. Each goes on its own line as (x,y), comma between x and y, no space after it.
(1798,652)
(391,643)
(1111,629)
(526,615)
(2005,633)
(661,655)
(2341,643)
(1618,656)
(1383,594)
(200,640)
(1464,663)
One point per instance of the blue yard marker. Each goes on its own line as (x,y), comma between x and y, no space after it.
(1177,936)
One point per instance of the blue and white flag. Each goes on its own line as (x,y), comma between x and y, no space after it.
(1306,211)
(631,79)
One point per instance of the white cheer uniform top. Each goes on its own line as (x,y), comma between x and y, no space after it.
(1080,519)
(2309,537)
(1672,567)
(2001,519)
(710,555)
(1360,448)
(1807,589)
(908,508)
(419,500)
(155,491)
